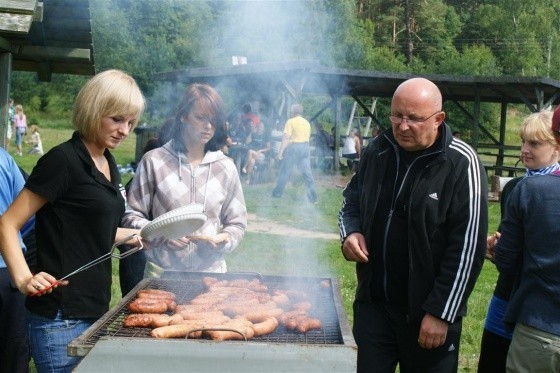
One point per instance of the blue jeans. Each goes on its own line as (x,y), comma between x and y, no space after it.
(20,132)
(49,339)
(296,155)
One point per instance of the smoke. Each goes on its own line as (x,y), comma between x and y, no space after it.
(269,32)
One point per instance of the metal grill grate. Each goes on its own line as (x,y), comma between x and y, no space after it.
(186,285)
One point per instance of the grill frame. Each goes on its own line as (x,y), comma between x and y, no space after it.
(109,326)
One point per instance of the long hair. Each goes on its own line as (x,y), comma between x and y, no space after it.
(213,105)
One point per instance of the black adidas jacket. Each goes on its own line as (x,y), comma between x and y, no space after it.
(447,219)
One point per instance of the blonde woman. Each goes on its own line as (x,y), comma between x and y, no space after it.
(539,154)
(76,195)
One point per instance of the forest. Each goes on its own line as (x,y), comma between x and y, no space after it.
(467,37)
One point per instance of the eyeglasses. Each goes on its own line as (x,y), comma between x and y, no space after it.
(410,121)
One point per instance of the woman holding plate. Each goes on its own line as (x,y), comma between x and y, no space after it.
(191,171)
(76,195)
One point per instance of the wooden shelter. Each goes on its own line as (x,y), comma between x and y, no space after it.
(46,37)
(293,81)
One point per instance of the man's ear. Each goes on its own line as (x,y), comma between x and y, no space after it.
(440,117)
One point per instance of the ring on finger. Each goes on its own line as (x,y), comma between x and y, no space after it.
(38,286)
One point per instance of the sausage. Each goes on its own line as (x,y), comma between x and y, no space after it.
(244,326)
(178,330)
(308,324)
(160,320)
(288,315)
(138,320)
(293,322)
(146,320)
(304,306)
(176,318)
(195,307)
(209,298)
(265,327)
(201,315)
(160,297)
(155,293)
(213,281)
(235,310)
(147,306)
(281,299)
(294,295)
(259,316)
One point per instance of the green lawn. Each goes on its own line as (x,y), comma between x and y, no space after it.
(295,256)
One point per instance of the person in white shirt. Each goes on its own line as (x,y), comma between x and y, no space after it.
(352,148)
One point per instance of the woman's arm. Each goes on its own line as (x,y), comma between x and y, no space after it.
(24,206)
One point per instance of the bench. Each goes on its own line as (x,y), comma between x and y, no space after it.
(512,171)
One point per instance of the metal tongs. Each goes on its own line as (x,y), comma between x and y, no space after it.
(114,253)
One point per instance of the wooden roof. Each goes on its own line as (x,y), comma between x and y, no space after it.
(307,78)
(48,36)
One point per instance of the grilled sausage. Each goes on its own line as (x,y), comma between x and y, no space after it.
(138,320)
(195,307)
(235,310)
(241,325)
(146,320)
(201,315)
(155,293)
(170,301)
(147,306)
(308,324)
(178,330)
(265,327)
(259,316)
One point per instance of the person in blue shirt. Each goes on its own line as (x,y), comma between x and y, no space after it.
(14,347)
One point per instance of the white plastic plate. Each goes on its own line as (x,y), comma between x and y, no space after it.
(176,223)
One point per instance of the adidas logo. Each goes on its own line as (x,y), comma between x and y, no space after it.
(433,196)
(452,347)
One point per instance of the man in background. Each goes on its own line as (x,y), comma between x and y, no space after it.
(414,219)
(294,151)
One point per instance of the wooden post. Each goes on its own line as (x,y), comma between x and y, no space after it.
(5,73)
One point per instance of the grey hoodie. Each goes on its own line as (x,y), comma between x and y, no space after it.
(164,181)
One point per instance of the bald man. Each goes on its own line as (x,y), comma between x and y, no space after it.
(414,219)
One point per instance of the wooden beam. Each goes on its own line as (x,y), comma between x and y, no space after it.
(44,72)
(5,45)
(5,74)
(38,13)
(15,23)
(18,6)
(39,53)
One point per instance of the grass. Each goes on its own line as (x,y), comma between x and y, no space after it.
(296,256)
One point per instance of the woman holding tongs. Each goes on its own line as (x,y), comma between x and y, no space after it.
(191,170)
(76,194)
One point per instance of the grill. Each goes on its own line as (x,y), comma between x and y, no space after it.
(108,346)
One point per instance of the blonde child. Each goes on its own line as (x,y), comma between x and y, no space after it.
(36,141)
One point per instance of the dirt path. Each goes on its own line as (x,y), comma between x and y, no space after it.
(262,225)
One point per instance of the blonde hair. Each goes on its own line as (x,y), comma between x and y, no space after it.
(34,128)
(19,109)
(537,127)
(107,94)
